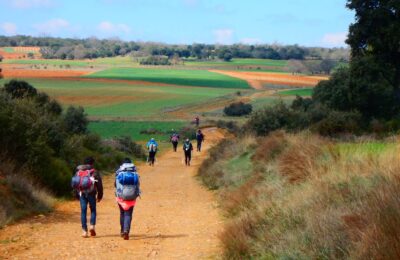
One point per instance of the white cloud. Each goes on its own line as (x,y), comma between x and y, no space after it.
(9,28)
(24,4)
(251,41)
(223,36)
(52,26)
(334,39)
(108,27)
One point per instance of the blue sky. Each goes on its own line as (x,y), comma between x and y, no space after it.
(305,22)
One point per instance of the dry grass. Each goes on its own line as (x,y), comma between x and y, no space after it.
(19,197)
(311,198)
(298,161)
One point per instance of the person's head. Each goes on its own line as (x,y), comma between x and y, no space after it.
(152,139)
(126,160)
(187,140)
(199,131)
(88,160)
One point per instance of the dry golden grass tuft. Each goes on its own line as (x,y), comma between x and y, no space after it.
(298,160)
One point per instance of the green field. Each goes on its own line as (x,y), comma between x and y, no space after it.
(104,100)
(302,92)
(113,62)
(8,49)
(200,78)
(109,129)
(239,62)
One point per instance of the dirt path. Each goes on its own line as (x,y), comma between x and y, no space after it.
(176,218)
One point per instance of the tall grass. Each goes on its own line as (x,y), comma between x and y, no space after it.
(19,196)
(309,198)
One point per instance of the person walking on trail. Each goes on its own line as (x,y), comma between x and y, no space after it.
(200,139)
(88,188)
(174,140)
(187,149)
(197,121)
(127,189)
(152,146)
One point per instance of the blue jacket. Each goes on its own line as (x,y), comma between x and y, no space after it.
(151,142)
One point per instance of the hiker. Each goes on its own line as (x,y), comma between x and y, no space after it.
(174,138)
(187,149)
(87,186)
(200,139)
(197,121)
(152,146)
(127,185)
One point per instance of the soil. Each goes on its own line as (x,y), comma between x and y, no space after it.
(258,79)
(176,218)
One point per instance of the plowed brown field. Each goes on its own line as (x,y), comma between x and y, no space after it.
(27,73)
(20,52)
(258,79)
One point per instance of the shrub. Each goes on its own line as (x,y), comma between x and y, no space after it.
(155,60)
(75,120)
(264,121)
(337,123)
(238,109)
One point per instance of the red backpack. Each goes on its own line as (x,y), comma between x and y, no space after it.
(83,181)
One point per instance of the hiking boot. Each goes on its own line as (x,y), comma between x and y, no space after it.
(84,234)
(92,231)
(126,236)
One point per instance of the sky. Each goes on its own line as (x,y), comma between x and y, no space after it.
(305,22)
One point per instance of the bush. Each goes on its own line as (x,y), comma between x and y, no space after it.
(337,123)
(238,109)
(155,60)
(269,119)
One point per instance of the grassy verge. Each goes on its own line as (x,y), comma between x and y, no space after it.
(304,197)
(138,130)
(302,92)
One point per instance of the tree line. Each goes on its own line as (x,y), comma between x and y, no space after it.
(90,48)
(361,97)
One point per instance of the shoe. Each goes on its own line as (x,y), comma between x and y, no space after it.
(92,231)
(84,234)
(126,236)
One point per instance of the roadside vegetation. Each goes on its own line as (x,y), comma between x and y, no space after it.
(319,178)
(41,144)
(300,196)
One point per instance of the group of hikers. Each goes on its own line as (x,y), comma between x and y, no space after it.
(88,186)
(152,146)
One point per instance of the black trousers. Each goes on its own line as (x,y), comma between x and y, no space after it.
(175,145)
(152,156)
(188,157)
(199,145)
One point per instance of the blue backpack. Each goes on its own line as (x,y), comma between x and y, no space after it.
(128,185)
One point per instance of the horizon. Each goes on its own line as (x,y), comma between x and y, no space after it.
(305,23)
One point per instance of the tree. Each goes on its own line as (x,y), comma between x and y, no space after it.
(1,59)
(19,89)
(75,120)
(376,33)
(327,65)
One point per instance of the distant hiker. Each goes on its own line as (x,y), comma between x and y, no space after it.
(87,186)
(197,121)
(152,146)
(200,139)
(127,189)
(187,149)
(174,140)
